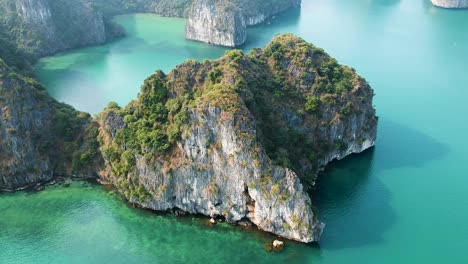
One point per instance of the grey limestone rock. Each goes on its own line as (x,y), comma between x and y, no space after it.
(451,3)
(224,23)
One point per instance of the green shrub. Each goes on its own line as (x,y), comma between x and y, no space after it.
(313,104)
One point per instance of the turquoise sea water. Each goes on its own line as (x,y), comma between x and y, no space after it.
(406,201)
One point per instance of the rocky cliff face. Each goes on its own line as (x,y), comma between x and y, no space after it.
(241,137)
(451,3)
(219,170)
(39,138)
(215,23)
(44,27)
(225,22)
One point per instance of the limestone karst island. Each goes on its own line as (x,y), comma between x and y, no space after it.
(233,131)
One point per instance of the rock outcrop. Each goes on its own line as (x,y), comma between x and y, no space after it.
(451,3)
(43,27)
(40,138)
(224,23)
(217,23)
(241,137)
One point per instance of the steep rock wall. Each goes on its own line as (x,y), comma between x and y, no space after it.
(39,138)
(225,23)
(44,27)
(216,24)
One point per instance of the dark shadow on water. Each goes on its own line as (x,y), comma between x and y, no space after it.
(400,146)
(351,197)
(341,201)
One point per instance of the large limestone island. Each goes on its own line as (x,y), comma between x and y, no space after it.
(451,3)
(241,137)
(224,22)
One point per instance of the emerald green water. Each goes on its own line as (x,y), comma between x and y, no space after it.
(406,201)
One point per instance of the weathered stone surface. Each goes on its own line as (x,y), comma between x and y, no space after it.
(55,25)
(215,23)
(225,23)
(278,246)
(451,3)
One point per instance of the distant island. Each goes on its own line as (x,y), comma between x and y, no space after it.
(240,138)
(451,3)
(225,22)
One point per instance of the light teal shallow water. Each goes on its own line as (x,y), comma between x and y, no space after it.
(404,202)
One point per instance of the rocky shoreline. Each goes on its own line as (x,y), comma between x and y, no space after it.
(57,181)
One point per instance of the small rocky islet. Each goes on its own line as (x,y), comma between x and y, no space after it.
(451,3)
(241,137)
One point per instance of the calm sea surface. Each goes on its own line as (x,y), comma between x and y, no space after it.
(406,201)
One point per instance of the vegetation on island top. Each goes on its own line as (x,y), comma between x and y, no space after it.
(288,77)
